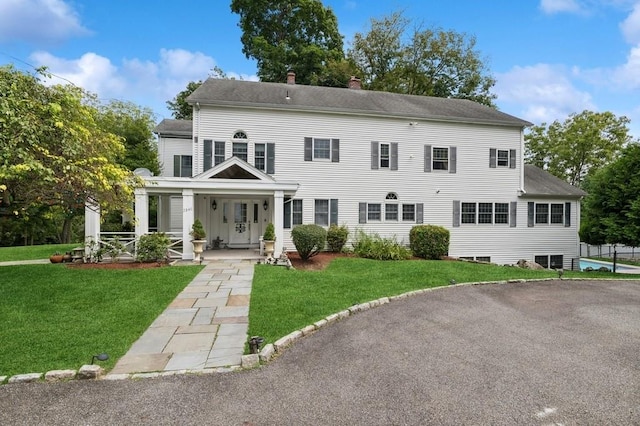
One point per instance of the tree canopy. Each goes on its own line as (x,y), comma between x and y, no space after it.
(611,212)
(583,143)
(179,107)
(134,125)
(283,35)
(393,56)
(53,152)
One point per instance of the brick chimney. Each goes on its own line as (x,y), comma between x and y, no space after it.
(291,77)
(354,83)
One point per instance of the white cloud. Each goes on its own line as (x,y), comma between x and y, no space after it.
(559,6)
(627,76)
(38,21)
(542,92)
(144,82)
(631,26)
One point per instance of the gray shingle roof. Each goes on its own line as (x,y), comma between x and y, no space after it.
(170,127)
(222,92)
(538,182)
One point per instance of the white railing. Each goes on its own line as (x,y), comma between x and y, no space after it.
(125,244)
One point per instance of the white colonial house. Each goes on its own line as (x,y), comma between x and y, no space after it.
(381,162)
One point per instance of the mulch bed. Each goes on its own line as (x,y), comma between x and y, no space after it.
(117,265)
(315,263)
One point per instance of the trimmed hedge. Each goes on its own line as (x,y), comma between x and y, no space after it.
(337,237)
(309,240)
(429,241)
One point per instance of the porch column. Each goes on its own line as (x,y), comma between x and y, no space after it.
(91,226)
(278,220)
(141,212)
(188,216)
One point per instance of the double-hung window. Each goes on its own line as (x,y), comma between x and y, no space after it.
(557,213)
(501,213)
(240,150)
(218,152)
(440,158)
(384,155)
(501,158)
(296,207)
(374,212)
(485,212)
(260,157)
(326,212)
(391,212)
(552,213)
(468,212)
(322,149)
(409,212)
(182,165)
(542,213)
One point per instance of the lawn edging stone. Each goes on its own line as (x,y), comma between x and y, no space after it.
(59,375)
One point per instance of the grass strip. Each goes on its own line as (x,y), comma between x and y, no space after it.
(284,300)
(54,317)
(34,252)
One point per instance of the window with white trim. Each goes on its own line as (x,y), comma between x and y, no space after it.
(487,213)
(321,213)
(409,212)
(240,150)
(260,156)
(503,158)
(374,212)
(391,212)
(440,158)
(557,213)
(321,149)
(542,213)
(218,152)
(468,213)
(296,216)
(549,214)
(553,261)
(385,155)
(182,165)
(501,213)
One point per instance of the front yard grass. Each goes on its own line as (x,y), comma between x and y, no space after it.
(283,300)
(54,317)
(34,252)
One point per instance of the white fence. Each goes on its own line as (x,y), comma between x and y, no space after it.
(122,245)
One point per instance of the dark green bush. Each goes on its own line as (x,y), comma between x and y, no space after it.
(337,237)
(429,241)
(309,240)
(375,247)
(152,247)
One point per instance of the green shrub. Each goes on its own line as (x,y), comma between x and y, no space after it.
(375,247)
(152,247)
(197,230)
(269,233)
(429,241)
(309,240)
(337,237)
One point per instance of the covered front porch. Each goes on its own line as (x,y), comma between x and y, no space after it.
(233,200)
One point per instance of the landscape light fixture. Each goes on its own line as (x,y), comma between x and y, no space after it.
(100,357)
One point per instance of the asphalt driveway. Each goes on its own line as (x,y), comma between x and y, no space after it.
(555,352)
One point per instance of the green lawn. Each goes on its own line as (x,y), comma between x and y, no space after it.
(55,317)
(283,300)
(34,252)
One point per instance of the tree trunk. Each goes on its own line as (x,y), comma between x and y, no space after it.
(65,235)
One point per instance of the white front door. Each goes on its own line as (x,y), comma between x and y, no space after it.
(240,229)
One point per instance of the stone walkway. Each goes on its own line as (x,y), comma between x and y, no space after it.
(204,327)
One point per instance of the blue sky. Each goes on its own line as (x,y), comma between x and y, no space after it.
(550,57)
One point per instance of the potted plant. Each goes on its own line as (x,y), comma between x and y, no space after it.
(269,239)
(56,258)
(199,238)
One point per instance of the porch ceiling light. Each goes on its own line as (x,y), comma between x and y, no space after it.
(265,205)
(214,205)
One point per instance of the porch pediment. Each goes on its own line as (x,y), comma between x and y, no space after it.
(234,168)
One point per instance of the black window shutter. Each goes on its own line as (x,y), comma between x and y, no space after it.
(567,214)
(492,158)
(394,156)
(513,212)
(335,150)
(420,213)
(453,159)
(208,154)
(362,212)
(333,211)
(427,158)
(456,213)
(271,158)
(176,165)
(512,158)
(374,156)
(287,213)
(530,213)
(308,149)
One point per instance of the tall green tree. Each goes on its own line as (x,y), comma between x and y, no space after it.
(611,210)
(179,107)
(53,153)
(134,125)
(283,35)
(583,143)
(394,56)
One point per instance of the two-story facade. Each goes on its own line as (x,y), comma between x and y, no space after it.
(381,162)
